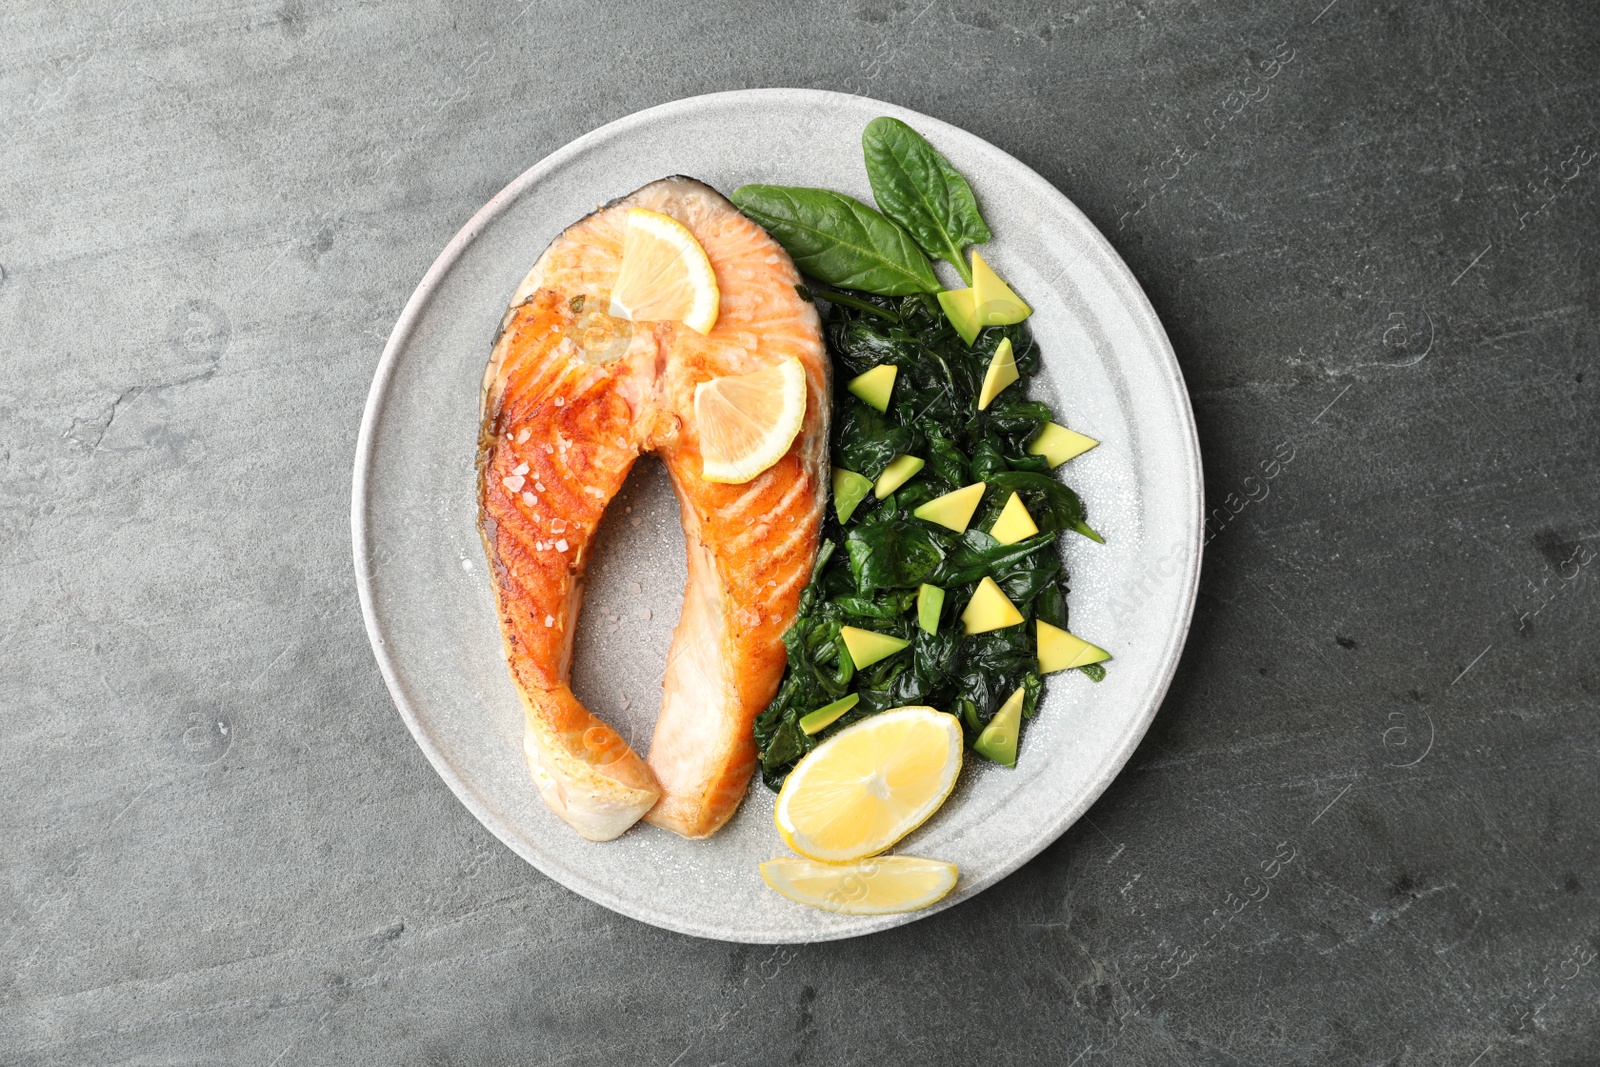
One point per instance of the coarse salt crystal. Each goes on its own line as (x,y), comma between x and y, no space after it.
(561,545)
(634,520)
(558,525)
(529,499)
(522,468)
(523,434)
(538,546)
(560,402)
(513,483)
(549,620)
(635,588)
(539,486)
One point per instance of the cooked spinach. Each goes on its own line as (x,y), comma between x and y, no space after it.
(868,571)
(918,188)
(839,240)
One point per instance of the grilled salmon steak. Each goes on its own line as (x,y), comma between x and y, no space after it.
(571,398)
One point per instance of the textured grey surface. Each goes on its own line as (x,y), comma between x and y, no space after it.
(221,846)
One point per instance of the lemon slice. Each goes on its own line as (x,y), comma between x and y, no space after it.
(748,421)
(665,275)
(871,887)
(869,785)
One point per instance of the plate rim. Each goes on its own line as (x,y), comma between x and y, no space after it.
(382,381)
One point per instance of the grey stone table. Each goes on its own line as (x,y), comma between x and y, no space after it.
(1363,827)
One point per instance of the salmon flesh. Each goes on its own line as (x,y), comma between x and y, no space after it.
(571,398)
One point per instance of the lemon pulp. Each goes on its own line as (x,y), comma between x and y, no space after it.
(870,784)
(877,886)
(665,274)
(748,421)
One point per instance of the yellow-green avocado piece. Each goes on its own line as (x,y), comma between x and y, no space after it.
(868,646)
(900,470)
(1062,651)
(994,302)
(875,386)
(817,721)
(1001,373)
(930,602)
(1014,523)
(961,307)
(953,510)
(989,609)
(999,739)
(1057,444)
(849,490)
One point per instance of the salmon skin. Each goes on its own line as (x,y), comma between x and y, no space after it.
(572,397)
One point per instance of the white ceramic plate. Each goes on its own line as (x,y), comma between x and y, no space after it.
(1108,369)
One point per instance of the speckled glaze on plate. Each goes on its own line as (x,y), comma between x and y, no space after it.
(1108,371)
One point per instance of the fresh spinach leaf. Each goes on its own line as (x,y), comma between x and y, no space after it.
(1051,605)
(896,554)
(978,554)
(993,665)
(834,296)
(866,441)
(918,188)
(838,239)
(889,606)
(946,464)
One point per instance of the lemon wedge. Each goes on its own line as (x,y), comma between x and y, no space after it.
(748,421)
(870,784)
(871,887)
(665,275)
